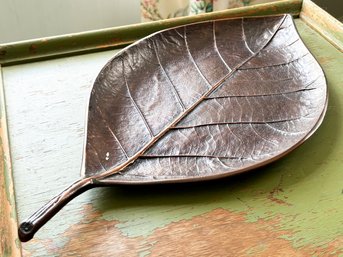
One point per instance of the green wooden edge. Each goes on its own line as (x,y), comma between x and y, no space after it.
(116,37)
(326,25)
(9,243)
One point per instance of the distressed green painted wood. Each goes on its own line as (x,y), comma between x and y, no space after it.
(326,25)
(9,243)
(290,208)
(119,36)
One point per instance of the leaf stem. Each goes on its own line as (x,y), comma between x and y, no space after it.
(30,226)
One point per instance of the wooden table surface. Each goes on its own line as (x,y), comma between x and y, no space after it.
(293,207)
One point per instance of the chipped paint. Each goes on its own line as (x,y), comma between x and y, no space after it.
(203,235)
(7,179)
(8,245)
(144,253)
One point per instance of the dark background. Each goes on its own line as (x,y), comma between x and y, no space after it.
(334,7)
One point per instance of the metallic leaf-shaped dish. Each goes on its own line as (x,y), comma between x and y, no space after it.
(198,102)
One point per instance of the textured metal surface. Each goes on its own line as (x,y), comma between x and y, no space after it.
(203,101)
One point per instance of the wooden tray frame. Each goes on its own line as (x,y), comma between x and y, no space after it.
(104,39)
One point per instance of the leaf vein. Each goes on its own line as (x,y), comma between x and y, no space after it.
(135,104)
(235,123)
(274,65)
(192,156)
(165,73)
(112,133)
(216,47)
(262,95)
(97,155)
(244,37)
(192,59)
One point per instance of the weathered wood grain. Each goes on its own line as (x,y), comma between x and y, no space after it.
(9,243)
(292,208)
(330,28)
(215,233)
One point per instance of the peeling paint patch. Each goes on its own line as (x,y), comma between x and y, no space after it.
(217,233)
(274,194)
(144,254)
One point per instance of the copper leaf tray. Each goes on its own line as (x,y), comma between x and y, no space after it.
(197,102)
